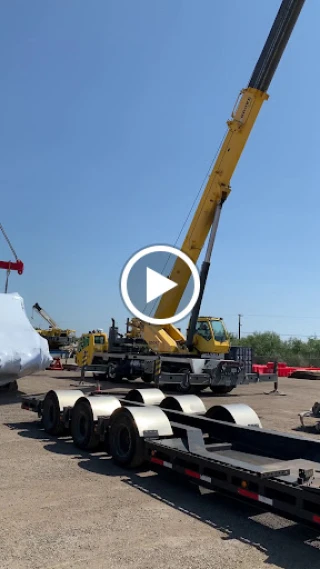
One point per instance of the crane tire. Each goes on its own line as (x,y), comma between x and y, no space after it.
(126,445)
(82,427)
(51,419)
(221,389)
(147,377)
(112,374)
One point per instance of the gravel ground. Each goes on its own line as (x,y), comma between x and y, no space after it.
(63,509)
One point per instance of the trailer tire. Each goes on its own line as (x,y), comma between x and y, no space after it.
(82,427)
(10,387)
(126,445)
(51,420)
(221,389)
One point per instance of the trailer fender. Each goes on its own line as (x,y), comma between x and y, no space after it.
(67,397)
(189,404)
(151,396)
(53,404)
(237,413)
(149,421)
(84,417)
(127,429)
(102,405)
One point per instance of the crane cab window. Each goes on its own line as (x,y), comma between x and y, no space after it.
(218,331)
(99,340)
(203,329)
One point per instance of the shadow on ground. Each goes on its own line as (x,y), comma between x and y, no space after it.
(10,397)
(285,544)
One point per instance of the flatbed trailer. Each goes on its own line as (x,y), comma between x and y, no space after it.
(224,448)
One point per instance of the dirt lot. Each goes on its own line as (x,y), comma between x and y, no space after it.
(61,508)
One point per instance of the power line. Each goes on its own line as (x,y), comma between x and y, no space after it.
(300,317)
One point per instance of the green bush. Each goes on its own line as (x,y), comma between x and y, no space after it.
(268,346)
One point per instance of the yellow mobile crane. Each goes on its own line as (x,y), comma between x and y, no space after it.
(56,337)
(179,357)
(207,215)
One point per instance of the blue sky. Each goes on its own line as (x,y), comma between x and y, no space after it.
(111,114)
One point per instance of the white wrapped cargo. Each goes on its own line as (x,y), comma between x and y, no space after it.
(22,350)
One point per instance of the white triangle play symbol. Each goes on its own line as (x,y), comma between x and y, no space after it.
(157,284)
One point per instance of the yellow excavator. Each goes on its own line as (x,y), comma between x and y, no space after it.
(202,357)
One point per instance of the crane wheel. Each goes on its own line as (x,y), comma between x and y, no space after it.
(82,426)
(51,418)
(221,389)
(147,377)
(112,374)
(125,443)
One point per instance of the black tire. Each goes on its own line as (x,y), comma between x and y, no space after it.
(51,419)
(82,427)
(126,445)
(11,387)
(198,389)
(305,374)
(112,374)
(147,377)
(221,389)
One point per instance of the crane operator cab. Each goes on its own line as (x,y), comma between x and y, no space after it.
(90,343)
(211,336)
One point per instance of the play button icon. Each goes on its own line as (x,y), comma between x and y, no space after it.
(157,285)
(142,283)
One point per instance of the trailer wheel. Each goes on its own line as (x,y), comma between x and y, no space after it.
(51,415)
(221,389)
(10,387)
(82,427)
(125,443)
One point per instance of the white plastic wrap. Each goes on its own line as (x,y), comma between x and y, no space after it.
(22,350)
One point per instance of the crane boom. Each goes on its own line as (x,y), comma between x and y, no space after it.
(240,125)
(44,315)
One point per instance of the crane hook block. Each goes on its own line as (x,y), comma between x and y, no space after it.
(12,266)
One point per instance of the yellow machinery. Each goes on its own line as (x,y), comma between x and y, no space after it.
(56,337)
(206,218)
(89,345)
(205,335)
(96,342)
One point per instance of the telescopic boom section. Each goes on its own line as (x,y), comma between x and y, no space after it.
(240,125)
(45,316)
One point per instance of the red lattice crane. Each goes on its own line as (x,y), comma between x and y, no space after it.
(16,265)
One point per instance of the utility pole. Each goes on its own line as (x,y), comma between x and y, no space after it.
(239,326)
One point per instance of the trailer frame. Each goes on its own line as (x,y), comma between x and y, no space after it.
(280,472)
